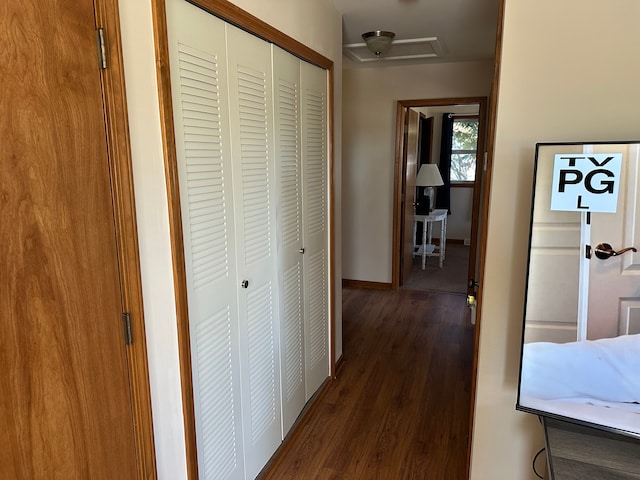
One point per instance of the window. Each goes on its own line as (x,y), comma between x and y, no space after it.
(464,148)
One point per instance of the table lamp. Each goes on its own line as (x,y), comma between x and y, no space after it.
(428,177)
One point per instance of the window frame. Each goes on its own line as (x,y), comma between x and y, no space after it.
(464,183)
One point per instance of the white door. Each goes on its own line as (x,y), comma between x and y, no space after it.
(286,92)
(252,145)
(554,263)
(313,88)
(201,117)
(614,283)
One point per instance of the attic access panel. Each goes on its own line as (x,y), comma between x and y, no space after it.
(407,49)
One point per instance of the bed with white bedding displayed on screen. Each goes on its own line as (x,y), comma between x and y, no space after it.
(597,381)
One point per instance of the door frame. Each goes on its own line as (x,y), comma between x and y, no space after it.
(232,14)
(402,107)
(126,229)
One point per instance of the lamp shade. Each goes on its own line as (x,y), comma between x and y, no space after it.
(378,41)
(429,176)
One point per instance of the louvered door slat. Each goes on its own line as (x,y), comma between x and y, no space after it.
(251,139)
(313,83)
(198,78)
(251,100)
(262,361)
(256,171)
(286,77)
(318,301)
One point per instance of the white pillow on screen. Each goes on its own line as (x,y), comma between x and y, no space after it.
(607,369)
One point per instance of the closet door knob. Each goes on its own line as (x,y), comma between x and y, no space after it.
(301,250)
(245,283)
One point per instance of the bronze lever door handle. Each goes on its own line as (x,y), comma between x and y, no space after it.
(604,251)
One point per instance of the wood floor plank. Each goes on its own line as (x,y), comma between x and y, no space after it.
(399,408)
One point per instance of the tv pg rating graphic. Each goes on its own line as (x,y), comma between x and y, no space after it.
(586,182)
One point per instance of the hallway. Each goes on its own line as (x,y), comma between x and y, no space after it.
(399,408)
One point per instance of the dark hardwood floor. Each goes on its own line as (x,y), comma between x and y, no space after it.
(399,407)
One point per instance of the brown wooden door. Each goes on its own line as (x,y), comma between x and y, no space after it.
(411,152)
(65,408)
(479,205)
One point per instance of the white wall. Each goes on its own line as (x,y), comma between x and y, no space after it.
(369,118)
(569,73)
(459,222)
(314,23)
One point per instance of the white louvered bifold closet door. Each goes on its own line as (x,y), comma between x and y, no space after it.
(251,114)
(286,93)
(199,90)
(313,90)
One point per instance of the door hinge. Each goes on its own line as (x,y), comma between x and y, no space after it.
(128,332)
(102,49)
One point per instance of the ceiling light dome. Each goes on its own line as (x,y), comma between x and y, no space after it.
(378,41)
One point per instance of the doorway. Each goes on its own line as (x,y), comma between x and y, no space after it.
(458,274)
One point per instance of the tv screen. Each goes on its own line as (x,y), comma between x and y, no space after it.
(581,338)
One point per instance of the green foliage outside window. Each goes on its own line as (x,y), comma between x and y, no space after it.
(464,150)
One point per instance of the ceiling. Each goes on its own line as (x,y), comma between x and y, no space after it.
(427,31)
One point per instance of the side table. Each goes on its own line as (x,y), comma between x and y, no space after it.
(428,249)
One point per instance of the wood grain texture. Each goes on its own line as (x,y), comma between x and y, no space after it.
(409,172)
(65,408)
(120,163)
(244,20)
(478,186)
(398,408)
(363,284)
(398,168)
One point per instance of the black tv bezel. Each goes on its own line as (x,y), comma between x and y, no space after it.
(519,406)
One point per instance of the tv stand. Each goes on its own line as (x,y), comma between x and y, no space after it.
(577,452)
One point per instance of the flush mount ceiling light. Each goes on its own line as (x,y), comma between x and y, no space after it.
(378,41)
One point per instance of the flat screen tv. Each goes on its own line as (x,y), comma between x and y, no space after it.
(581,338)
